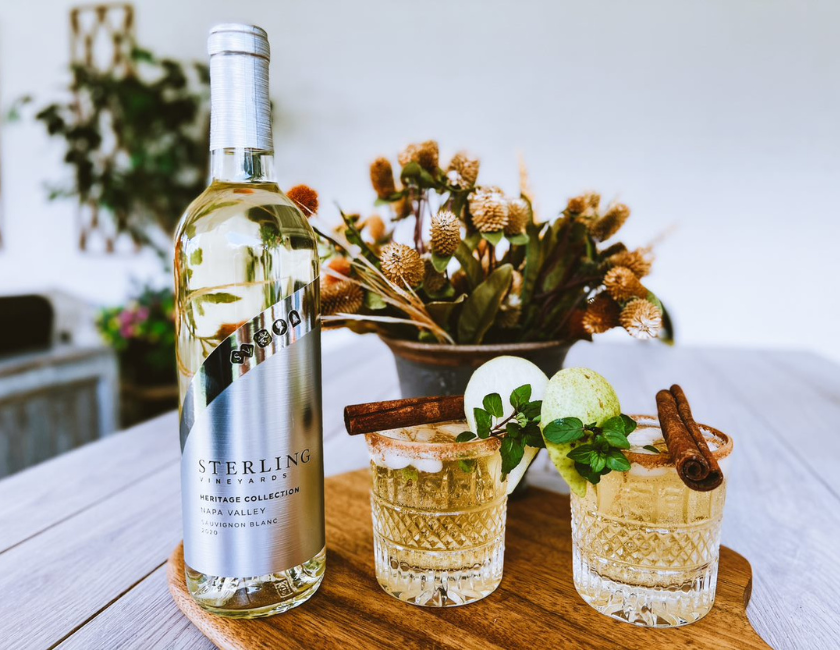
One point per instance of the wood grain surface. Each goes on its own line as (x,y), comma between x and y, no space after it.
(536,605)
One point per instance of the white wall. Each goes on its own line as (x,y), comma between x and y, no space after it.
(721,117)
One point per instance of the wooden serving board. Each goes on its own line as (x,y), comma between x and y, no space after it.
(536,606)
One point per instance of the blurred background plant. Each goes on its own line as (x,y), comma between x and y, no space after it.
(143,334)
(136,142)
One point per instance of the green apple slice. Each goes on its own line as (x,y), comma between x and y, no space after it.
(576,393)
(503,375)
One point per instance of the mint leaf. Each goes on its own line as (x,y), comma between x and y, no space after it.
(601,443)
(586,472)
(629,424)
(617,439)
(652,448)
(597,461)
(513,430)
(564,430)
(482,422)
(613,425)
(467,465)
(465,436)
(532,410)
(533,437)
(512,452)
(493,405)
(582,454)
(617,461)
(520,396)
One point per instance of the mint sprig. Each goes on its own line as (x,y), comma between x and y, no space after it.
(597,451)
(520,429)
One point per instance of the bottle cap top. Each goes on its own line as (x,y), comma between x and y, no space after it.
(232,38)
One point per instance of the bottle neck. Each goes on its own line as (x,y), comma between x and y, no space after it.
(242,165)
(241,144)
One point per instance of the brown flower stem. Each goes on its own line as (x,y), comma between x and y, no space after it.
(418,224)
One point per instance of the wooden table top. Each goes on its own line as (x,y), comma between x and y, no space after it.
(84,538)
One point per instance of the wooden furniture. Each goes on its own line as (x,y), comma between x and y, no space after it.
(84,538)
(535,606)
(54,400)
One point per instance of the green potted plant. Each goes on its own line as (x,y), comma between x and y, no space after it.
(137,146)
(480,275)
(136,142)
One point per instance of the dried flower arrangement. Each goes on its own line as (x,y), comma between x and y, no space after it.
(484,270)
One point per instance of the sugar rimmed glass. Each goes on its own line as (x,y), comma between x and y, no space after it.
(439,510)
(645,547)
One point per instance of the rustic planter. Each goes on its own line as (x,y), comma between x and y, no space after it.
(428,369)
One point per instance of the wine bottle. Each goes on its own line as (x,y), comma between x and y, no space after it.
(249,360)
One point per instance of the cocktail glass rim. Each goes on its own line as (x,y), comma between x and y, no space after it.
(380,442)
(651,460)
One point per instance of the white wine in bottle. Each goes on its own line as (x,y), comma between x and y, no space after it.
(249,360)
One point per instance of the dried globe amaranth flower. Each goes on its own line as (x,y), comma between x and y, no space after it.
(611,222)
(601,314)
(641,318)
(585,205)
(342,297)
(375,227)
(623,285)
(428,156)
(519,216)
(613,249)
(574,326)
(305,198)
(341,265)
(402,265)
(446,233)
(402,208)
(434,281)
(455,179)
(639,261)
(577,205)
(407,155)
(489,210)
(460,281)
(382,178)
(466,166)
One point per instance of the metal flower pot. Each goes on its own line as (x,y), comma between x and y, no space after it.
(428,369)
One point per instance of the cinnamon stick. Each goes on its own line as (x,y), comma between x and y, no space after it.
(694,461)
(411,412)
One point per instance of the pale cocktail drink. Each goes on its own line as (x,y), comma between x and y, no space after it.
(438,514)
(645,546)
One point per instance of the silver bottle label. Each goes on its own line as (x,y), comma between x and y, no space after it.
(252,464)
